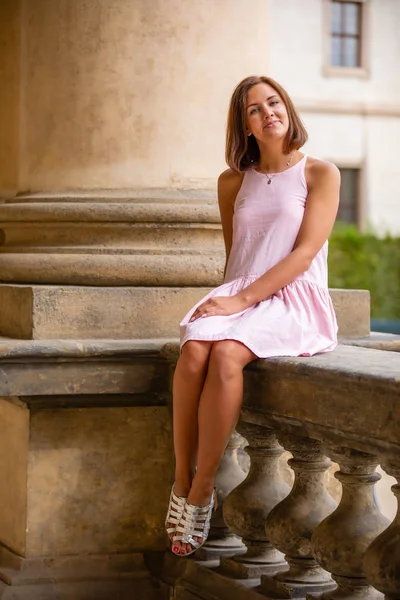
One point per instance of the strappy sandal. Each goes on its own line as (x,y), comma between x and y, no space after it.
(194,523)
(175,511)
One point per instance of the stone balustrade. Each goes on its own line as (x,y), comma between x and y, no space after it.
(88,425)
(341,408)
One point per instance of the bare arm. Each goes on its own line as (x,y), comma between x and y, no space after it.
(319,217)
(229,183)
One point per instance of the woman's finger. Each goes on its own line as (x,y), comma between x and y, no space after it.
(210,308)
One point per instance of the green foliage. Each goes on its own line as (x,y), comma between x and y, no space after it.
(365,261)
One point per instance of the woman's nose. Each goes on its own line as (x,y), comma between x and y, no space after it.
(267,112)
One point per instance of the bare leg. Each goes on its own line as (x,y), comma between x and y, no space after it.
(219,410)
(190,373)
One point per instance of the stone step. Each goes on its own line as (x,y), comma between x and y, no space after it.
(37,312)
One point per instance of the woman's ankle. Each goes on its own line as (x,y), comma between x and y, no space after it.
(182,485)
(201,490)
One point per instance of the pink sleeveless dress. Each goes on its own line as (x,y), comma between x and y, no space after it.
(299,319)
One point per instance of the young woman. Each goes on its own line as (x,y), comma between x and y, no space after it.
(277,208)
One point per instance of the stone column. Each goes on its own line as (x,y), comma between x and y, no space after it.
(229,475)
(292,522)
(248,505)
(340,541)
(116,140)
(382,559)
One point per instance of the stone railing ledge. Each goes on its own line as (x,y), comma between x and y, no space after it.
(350,394)
(22,349)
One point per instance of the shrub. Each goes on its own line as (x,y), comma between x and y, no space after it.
(365,261)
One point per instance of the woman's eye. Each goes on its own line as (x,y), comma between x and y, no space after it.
(274,102)
(253,111)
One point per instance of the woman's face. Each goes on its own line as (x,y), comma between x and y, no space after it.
(267,117)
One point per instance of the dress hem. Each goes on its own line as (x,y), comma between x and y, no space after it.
(261,355)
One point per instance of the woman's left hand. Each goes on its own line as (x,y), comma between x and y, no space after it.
(219,305)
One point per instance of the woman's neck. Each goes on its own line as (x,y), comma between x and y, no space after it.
(272,159)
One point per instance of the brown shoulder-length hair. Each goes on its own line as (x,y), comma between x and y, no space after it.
(242,151)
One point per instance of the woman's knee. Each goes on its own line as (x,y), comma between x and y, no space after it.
(195,356)
(228,358)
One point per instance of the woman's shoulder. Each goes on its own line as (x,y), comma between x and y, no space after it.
(229,183)
(230,177)
(317,170)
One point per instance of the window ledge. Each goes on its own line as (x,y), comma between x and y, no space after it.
(356,72)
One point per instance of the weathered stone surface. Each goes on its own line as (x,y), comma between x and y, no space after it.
(381,561)
(84,468)
(130,242)
(114,270)
(191,579)
(52,312)
(90,377)
(12,350)
(315,396)
(133,208)
(71,312)
(82,462)
(83,369)
(71,443)
(248,505)
(229,475)
(341,540)
(10,86)
(134,589)
(290,524)
(90,577)
(376,341)
(352,308)
(14,456)
(16,311)
(91,128)
(86,476)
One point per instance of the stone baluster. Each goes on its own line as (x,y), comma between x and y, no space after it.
(340,541)
(248,505)
(229,476)
(382,559)
(291,523)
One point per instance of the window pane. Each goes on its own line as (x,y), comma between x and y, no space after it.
(351,18)
(336,19)
(336,60)
(348,196)
(350,52)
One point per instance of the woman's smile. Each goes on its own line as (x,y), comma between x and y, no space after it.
(271,124)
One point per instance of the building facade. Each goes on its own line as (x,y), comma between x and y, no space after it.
(340,62)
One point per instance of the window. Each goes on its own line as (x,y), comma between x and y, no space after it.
(349,196)
(345,33)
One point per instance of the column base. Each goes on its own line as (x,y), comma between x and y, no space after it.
(261,558)
(214,549)
(281,587)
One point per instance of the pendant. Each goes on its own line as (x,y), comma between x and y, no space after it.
(269,181)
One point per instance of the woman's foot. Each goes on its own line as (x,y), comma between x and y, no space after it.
(200,495)
(178,498)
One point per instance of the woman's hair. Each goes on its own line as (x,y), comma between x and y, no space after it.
(242,151)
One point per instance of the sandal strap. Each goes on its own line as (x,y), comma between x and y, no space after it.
(175,510)
(195,522)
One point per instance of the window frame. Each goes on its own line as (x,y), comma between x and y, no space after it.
(363,71)
(360,199)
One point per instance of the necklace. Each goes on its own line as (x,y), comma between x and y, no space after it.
(270,177)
